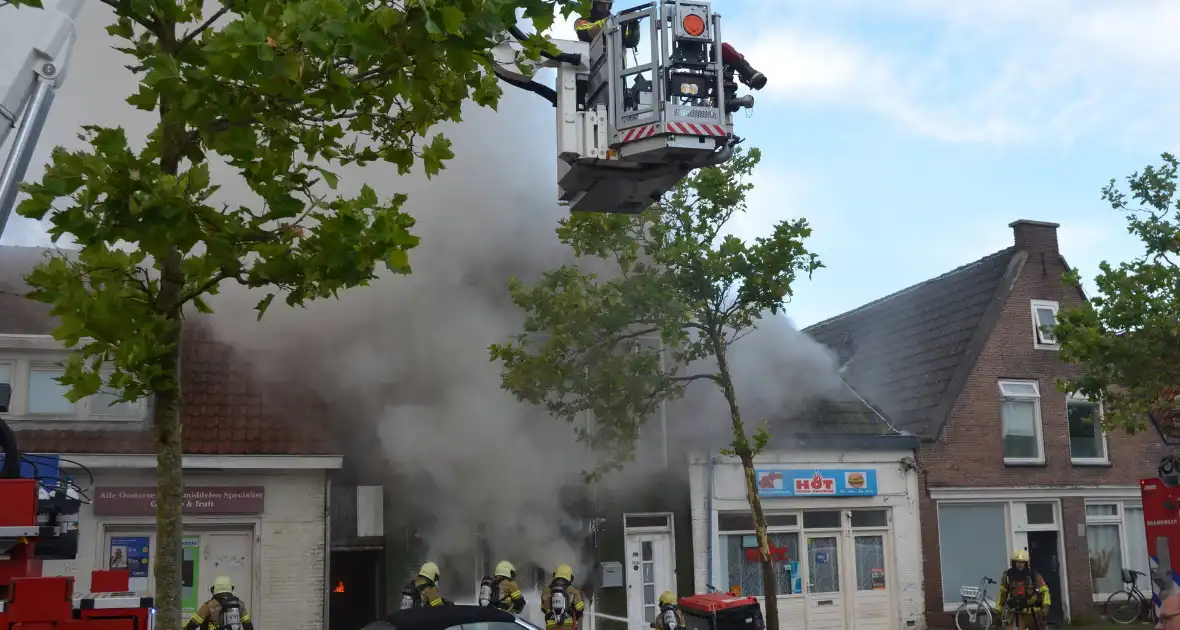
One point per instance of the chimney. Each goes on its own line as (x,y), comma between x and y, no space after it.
(1035,235)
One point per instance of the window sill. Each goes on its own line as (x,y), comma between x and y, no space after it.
(1025,462)
(1091,463)
(33,423)
(1046,346)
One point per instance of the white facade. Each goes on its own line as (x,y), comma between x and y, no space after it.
(276,558)
(863,565)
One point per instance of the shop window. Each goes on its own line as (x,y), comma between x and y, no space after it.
(1115,540)
(973,543)
(814,519)
(870,563)
(744,521)
(870,518)
(743,568)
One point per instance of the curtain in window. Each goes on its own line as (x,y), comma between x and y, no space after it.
(1136,543)
(973,543)
(1106,558)
(1020,429)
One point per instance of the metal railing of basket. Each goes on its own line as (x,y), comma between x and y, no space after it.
(969,593)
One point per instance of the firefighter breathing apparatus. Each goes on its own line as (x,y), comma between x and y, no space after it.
(412,594)
(668,611)
(559,601)
(231,606)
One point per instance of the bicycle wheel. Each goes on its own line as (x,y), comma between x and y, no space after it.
(1123,607)
(973,616)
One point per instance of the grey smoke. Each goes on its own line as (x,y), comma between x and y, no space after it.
(410,353)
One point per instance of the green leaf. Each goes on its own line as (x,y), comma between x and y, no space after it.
(264,304)
(434,154)
(453,19)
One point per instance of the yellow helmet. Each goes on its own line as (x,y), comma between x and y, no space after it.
(506,570)
(222,584)
(1020,555)
(667,598)
(565,572)
(429,571)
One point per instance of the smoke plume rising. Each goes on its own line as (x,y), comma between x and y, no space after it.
(406,361)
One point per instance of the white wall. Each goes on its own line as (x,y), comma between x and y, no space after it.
(288,590)
(896,488)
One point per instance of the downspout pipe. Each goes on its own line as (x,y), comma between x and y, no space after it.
(709,524)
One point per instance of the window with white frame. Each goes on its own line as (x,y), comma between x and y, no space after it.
(1020,419)
(1115,540)
(1044,316)
(972,543)
(1087,440)
(740,560)
(38,395)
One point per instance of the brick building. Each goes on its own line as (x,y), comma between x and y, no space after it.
(257,467)
(1006,460)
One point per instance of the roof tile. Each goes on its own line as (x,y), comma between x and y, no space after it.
(902,351)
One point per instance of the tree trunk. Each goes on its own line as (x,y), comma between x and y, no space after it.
(741,446)
(169,516)
(169,450)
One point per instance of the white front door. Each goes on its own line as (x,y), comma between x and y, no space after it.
(872,597)
(825,595)
(649,573)
(230,554)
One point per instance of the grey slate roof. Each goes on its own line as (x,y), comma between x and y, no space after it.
(908,353)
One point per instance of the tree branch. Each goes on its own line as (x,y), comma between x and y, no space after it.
(191,35)
(695,377)
(153,25)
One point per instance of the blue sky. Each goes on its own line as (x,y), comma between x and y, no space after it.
(911,132)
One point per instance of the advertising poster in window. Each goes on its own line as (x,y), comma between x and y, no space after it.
(132,553)
(190,576)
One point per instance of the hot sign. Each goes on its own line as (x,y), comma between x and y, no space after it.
(812,482)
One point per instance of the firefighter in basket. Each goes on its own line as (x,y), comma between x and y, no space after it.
(500,590)
(422,590)
(669,616)
(223,612)
(1023,592)
(561,603)
(600,10)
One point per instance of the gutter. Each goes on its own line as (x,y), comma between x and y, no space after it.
(709,525)
(327,545)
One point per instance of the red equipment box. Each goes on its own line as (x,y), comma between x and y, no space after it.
(721,611)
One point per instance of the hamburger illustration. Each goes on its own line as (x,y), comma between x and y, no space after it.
(855,480)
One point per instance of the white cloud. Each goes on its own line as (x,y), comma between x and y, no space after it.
(996,71)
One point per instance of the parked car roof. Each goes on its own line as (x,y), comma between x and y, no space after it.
(444,617)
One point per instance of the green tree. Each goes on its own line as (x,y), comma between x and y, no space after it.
(1126,340)
(282,91)
(589,341)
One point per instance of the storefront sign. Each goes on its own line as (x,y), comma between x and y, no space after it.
(132,553)
(141,501)
(787,482)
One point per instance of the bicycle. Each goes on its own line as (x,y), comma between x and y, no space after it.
(976,609)
(1130,604)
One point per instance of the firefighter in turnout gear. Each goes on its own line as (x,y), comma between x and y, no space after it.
(500,590)
(422,591)
(223,612)
(600,10)
(669,616)
(1024,593)
(562,604)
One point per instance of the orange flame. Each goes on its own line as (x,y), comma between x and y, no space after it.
(339,587)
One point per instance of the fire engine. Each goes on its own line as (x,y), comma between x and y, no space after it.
(645,103)
(1161,509)
(39,521)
